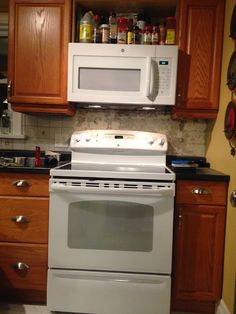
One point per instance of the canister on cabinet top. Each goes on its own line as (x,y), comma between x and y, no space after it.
(122,24)
(170,30)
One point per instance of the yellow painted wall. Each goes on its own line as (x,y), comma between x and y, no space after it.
(218,154)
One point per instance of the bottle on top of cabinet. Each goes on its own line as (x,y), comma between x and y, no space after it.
(96,31)
(112,28)
(162,28)
(86,28)
(122,25)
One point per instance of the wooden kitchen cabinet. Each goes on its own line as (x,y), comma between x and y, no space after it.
(200,40)
(39,33)
(199,230)
(24,205)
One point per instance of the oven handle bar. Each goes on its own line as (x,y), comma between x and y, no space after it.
(165,191)
(112,278)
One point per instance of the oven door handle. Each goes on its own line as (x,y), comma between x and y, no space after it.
(162,192)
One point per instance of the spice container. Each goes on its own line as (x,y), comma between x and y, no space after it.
(122,25)
(162,29)
(155,35)
(104,29)
(170,30)
(147,35)
(96,31)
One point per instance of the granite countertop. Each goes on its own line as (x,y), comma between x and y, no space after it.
(36,170)
(201,172)
(205,174)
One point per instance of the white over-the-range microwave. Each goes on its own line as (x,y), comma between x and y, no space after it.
(137,75)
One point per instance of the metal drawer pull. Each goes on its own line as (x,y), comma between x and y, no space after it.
(20,266)
(21,183)
(200,191)
(20,219)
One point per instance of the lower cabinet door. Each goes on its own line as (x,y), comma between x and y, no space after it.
(198,254)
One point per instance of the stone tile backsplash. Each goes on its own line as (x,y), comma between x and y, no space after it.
(53,132)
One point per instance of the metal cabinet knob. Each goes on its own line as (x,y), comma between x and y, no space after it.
(20,219)
(20,266)
(9,85)
(200,191)
(233,198)
(21,183)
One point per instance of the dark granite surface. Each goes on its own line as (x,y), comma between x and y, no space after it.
(201,172)
(205,174)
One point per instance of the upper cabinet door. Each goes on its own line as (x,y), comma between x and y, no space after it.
(39,32)
(200,39)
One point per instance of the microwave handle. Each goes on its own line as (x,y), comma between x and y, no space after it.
(148,76)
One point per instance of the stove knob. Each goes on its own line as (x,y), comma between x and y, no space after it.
(161,141)
(88,139)
(150,141)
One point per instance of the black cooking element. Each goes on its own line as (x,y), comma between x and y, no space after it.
(233,24)
(230,121)
(231,73)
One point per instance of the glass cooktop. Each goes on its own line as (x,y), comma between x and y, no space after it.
(116,171)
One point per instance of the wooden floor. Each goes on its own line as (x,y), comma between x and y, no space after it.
(6,308)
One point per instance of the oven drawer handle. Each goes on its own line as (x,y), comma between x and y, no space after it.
(112,278)
(76,189)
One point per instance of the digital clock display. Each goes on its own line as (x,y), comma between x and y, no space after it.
(163,62)
(119,137)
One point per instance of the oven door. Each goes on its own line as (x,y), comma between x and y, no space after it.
(109,225)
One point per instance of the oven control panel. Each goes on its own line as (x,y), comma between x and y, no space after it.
(122,139)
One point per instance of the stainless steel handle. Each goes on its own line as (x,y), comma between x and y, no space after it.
(20,266)
(163,192)
(9,88)
(233,198)
(20,219)
(148,76)
(200,191)
(21,183)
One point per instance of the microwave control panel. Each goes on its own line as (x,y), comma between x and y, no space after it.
(164,76)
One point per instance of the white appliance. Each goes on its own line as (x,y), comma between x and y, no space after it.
(122,74)
(110,225)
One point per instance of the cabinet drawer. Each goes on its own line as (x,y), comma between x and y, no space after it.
(23,184)
(201,192)
(24,219)
(31,261)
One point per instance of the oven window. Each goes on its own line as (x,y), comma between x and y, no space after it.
(125,80)
(110,225)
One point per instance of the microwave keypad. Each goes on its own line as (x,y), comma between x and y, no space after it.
(164,79)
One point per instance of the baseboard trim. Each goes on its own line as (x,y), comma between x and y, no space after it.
(222,308)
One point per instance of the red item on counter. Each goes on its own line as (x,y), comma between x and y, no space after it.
(37,157)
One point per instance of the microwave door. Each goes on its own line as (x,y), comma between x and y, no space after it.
(118,80)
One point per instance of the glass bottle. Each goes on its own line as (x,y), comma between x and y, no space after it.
(122,24)
(113,28)
(96,30)
(130,33)
(155,35)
